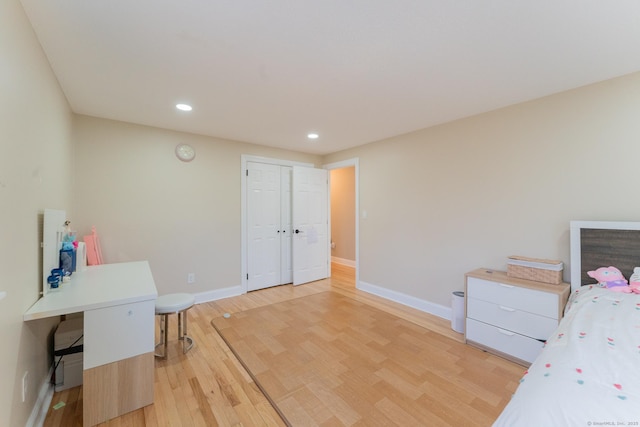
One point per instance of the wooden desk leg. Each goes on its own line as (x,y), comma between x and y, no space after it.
(117,388)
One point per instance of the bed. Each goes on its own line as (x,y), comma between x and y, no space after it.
(588,373)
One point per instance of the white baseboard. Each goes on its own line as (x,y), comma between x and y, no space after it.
(218,294)
(45,394)
(343,261)
(408,300)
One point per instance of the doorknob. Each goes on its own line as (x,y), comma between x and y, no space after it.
(298,231)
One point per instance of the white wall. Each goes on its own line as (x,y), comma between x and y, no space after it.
(35,173)
(467,194)
(146,204)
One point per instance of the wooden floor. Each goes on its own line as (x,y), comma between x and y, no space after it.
(209,387)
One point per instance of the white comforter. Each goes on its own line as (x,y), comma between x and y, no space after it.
(588,374)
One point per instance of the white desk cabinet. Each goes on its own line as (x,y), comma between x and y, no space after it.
(119,332)
(511,317)
(118,302)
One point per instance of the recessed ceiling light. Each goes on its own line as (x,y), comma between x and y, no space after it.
(313,136)
(184,107)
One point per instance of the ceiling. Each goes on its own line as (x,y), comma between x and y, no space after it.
(354,71)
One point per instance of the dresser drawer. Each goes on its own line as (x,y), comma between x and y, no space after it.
(512,319)
(519,298)
(507,342)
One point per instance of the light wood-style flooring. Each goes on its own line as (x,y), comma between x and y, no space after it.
(209,387)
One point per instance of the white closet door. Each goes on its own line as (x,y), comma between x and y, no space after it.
(310,224)
(286,271)
(263,224)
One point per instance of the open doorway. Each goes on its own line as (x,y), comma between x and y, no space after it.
(344,208)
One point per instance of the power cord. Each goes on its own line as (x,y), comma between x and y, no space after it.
(66,351)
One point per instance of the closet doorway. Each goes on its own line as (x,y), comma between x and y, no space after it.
(285,230)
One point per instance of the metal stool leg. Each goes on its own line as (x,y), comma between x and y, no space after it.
(164,329)
(184,337)
(166,334)
(187,341)
(180,334)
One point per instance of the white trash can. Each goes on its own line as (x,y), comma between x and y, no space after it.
(457,311)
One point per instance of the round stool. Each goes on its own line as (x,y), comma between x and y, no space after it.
(169,304)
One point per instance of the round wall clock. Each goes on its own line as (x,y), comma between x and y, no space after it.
(185,152)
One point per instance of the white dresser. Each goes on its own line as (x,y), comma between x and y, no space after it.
(511,317)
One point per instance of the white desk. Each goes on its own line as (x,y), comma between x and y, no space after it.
(118,302)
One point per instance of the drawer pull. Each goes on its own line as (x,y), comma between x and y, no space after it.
(506,286)
(503,332)
(502,307)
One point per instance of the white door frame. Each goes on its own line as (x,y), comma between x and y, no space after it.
(244,158)
(355,162)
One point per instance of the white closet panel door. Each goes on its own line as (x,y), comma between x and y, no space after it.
(263,224)
(286,270)
(310,224)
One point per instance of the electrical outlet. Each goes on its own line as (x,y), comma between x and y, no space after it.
(25,385)
(191,278)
